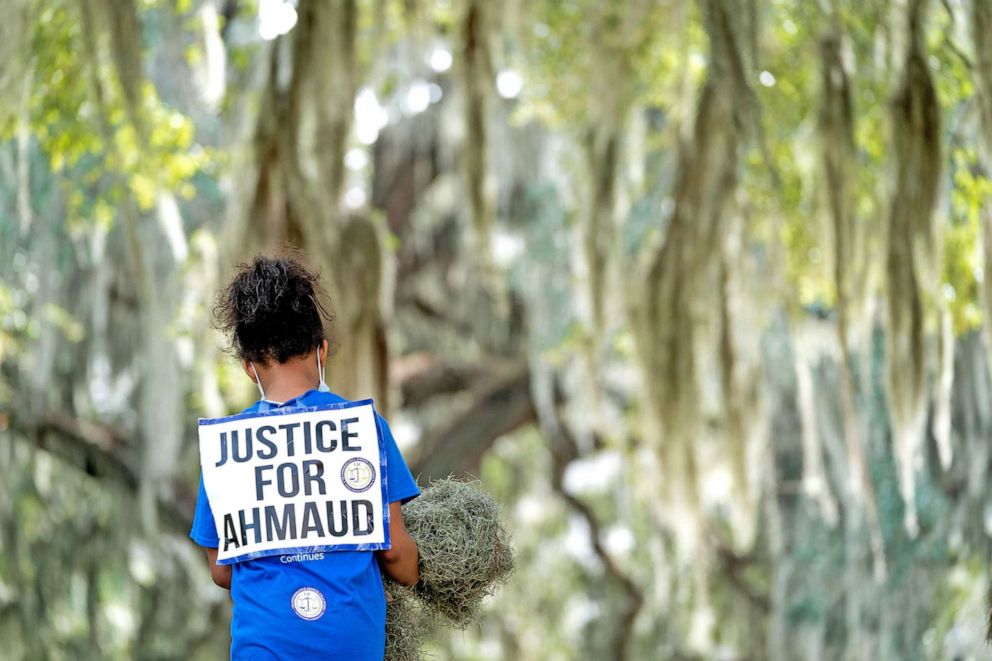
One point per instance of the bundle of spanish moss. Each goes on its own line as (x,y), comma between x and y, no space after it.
(406,625)
(464,556)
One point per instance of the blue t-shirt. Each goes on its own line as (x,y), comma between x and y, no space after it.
(265,625)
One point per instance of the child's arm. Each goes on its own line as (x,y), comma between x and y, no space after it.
(220,573)
(401,562)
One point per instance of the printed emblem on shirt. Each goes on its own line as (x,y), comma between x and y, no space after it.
(357,474)
(309,603)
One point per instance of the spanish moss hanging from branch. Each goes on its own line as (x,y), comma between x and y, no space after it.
(680,277)
(912,247)
(478,81)
(848,238)
(981,27)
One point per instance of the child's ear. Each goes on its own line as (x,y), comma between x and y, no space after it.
(246,366)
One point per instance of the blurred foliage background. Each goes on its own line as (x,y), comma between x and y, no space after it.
(697,289)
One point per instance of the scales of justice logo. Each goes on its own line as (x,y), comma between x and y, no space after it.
(357,474)
(309,603)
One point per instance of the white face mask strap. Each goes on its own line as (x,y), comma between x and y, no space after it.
(258,381)
(320,371)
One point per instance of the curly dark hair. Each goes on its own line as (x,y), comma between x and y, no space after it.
(272,309)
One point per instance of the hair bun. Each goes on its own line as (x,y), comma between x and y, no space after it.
(271,309)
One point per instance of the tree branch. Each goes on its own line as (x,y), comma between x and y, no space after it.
(565,450)
(456,447)
(734,566)
(422,376)
(103,452)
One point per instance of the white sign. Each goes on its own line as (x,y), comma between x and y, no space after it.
(296,480)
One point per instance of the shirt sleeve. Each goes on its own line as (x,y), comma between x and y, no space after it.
(204,531)
(400,485)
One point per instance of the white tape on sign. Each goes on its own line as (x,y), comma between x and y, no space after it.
(296,480)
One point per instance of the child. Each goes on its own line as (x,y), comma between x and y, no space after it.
(314,605)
